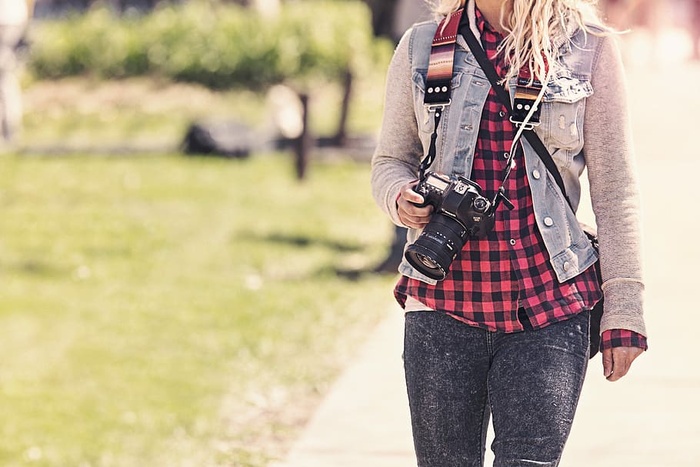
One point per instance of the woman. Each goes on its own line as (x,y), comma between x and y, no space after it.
(506,331)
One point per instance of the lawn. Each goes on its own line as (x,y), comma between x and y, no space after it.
(142,114)
(170,311)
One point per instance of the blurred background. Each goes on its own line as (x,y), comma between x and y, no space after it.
(189,252)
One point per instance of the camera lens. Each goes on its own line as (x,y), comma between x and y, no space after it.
(427,262)
(437,246)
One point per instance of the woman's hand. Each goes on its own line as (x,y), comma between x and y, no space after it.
(618,360)
(410,214)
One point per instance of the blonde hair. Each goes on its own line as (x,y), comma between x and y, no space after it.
(533,27)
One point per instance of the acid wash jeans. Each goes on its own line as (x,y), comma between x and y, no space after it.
(458,375)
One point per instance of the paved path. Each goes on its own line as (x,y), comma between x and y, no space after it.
(364,419)
(648,419)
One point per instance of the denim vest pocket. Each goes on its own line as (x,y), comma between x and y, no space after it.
(562,112)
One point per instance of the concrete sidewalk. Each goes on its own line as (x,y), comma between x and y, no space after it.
(649,418)
(364,420)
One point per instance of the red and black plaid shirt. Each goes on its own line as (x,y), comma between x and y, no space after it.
(509,270)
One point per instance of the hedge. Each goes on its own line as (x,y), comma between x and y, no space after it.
(219,46)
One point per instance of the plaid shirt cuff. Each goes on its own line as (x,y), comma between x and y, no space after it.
(622,338)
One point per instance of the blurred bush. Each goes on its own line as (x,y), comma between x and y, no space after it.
(216,45)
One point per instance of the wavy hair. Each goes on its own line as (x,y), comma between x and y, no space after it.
(534,27)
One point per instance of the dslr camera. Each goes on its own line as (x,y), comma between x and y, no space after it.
(460,211)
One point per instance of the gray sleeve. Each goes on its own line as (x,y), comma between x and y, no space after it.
(614,191)
(399,150)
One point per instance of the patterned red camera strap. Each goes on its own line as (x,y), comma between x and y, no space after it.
(438,88)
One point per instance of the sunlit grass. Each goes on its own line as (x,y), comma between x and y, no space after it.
(141,113)
(174,311)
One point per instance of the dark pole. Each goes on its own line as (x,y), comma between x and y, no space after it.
(341,135)
(303,143)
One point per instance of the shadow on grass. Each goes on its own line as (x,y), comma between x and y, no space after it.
(301,241)
(35,267)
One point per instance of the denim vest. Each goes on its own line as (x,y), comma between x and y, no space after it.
(561,131)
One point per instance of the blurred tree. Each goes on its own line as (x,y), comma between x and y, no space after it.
(624,14)
(695,27)
(391,18)
(382,16)
(53,8)
(264,6)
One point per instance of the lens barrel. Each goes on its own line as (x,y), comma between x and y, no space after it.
(437,246)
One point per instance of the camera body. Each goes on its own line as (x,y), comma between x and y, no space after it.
(459,198)
(460,211)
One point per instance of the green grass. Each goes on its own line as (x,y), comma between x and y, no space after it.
(170,311)
(86,114)
(94,116)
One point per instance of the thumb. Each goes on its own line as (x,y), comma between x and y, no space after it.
(607,362)
(409,194)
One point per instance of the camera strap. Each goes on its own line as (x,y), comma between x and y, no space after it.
(438,86)
(524,128)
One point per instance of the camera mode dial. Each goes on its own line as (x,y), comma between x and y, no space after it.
(481,204)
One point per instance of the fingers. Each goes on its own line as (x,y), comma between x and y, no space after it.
(607,363)
(410,214)
(617,361)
